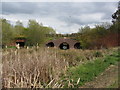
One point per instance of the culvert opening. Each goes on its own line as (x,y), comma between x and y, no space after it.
(64,46)
(21,44)
(50,44)
(77,46)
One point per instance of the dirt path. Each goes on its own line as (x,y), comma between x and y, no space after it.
(107,78)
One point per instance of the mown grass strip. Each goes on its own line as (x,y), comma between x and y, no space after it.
(87,72)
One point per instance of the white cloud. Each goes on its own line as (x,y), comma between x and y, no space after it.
(63,17)
(92,17)
(60,0)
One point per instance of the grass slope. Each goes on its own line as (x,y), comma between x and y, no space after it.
(81,74)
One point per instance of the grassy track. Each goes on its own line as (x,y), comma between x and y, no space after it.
(81,74)
(107,79)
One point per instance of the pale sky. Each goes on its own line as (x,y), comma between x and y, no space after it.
(64,17)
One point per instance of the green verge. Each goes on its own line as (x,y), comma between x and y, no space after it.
(87,72)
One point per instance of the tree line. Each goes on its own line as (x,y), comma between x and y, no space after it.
(104,35)
(34,32)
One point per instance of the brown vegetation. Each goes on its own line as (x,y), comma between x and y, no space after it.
(26,68)
(42,67)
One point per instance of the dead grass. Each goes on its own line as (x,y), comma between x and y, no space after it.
(32,67)
(41,67)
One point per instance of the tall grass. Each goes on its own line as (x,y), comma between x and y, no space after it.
(42,67)
(32,68)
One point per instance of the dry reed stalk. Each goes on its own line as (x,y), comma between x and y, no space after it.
(30,67)
(41,67)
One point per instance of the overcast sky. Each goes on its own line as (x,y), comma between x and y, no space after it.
(64,17)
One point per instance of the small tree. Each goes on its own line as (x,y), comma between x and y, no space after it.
(116,15)
(36,33)
(116,20)
(7,32)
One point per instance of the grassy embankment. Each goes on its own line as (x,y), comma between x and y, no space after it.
(79,75)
